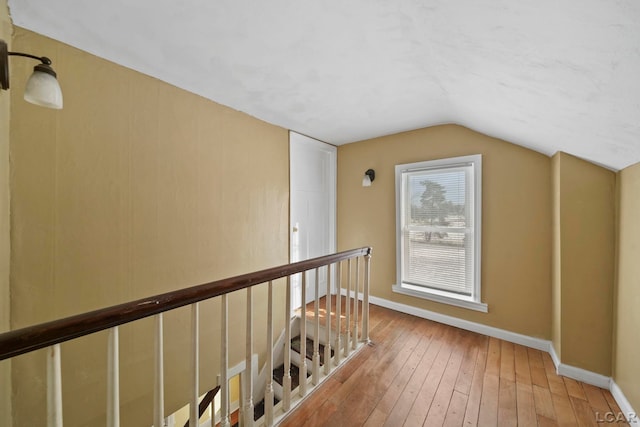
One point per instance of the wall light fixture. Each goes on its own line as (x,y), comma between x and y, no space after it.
(369,176)
(42,87)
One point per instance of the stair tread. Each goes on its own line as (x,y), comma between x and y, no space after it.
(294,371)
(295,344)
(258,409)
(278,373)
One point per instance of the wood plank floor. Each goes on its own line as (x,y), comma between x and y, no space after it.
(421,373)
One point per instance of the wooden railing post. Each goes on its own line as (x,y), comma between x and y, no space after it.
(365,305)
(327,337)
(356,309)
(158,394)
(224,363)
(315,360)
(338,345)
(268,394)
(248,383)
(286,379)
(54,387)
(303,337)
(194,415)
(347,338)
(113,379)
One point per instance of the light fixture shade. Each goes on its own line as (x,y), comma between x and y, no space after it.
(369,176)
(43,89)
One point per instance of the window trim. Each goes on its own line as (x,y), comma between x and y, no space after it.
(474,301)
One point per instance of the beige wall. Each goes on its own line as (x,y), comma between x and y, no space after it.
(626,371)
(5,367)
(134,188)
(585,251)
(516,222)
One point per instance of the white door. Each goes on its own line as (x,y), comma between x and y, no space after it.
(312,166)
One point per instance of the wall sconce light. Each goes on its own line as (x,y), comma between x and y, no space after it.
(42,87)
(369,176)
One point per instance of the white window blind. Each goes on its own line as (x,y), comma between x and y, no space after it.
(438,239)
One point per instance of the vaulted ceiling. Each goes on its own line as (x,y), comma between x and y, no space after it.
(546,74)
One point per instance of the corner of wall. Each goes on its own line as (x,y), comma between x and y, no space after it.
(583,262)
(626,370)
(616,268)
(556,268)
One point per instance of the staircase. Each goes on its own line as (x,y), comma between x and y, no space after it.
(296,363)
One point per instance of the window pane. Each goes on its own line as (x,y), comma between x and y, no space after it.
(437,225)
(438,260)
(437,198)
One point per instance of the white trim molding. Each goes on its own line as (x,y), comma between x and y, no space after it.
(583,375)
(441,297)
(573,372)
(554,355)
(514,337)
(471,168)
(633,417)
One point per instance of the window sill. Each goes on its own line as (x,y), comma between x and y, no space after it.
(418,292)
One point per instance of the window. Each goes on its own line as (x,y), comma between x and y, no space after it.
(438,230)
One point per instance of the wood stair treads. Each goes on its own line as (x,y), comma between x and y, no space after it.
(294,371)
(258,409)
(278,373)
(295,345)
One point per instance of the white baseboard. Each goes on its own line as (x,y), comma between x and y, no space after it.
(579,374)
(633,417)
(343,292)
(513,337)
(583,375)
(554,355)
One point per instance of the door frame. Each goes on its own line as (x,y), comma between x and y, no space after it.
(296,138)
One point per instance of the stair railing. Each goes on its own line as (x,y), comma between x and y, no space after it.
(51,334)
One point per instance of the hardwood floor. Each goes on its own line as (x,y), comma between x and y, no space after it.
(418,372)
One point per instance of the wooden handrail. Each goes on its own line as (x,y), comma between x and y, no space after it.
(20,341)
(205,402)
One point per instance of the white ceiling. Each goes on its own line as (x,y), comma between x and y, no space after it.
(546,74)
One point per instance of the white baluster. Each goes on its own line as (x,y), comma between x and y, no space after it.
(54,387)
(286,379)
(224,363)
(365,304)
(194,413)
(327,337)
(248,376)
(303,338)
(113,379)
(213,410)
(158,394)
(268,394)
(356,309)
(316,332)
(338,345)
(347,338)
